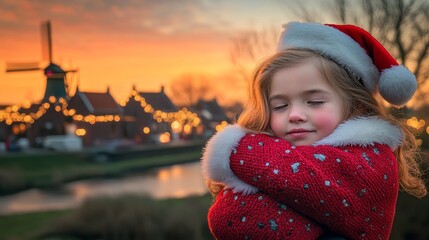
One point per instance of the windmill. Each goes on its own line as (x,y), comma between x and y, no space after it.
(58,81)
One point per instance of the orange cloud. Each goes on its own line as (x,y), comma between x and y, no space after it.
(117,43)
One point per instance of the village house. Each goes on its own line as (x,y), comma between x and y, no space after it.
(148,116)
(96,117)
(29,124)
(213,116)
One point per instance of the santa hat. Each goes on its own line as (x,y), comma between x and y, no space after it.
(358,52)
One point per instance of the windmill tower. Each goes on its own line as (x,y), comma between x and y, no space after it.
(59,82)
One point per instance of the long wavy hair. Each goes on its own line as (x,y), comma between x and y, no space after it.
(357,102)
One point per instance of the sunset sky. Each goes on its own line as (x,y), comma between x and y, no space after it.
(121,43)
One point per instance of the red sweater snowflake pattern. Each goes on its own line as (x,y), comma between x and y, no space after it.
(296,192)
(258,216)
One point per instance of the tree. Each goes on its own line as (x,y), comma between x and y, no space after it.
(250,47)
(402,26)
(188,88)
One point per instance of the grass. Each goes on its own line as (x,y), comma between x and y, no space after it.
(25,226)
(124,217)
(52,170)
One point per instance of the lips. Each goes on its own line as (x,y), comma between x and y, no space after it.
(298,132)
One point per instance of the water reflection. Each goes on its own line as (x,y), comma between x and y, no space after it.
(168,182)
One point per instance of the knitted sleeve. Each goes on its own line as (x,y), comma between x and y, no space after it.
(257,216)
(352,190)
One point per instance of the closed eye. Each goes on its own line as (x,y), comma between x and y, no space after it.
(315,103)
(280,107)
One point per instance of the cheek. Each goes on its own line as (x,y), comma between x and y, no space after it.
(276,123)
(326,121)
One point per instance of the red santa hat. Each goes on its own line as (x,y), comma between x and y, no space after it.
(358,52)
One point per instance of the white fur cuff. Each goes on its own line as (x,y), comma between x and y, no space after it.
(216,157)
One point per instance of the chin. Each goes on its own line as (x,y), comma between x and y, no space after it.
(302,142)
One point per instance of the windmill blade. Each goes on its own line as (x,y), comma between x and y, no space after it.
(71,82)
(46,41)
(72,70)
(22,67)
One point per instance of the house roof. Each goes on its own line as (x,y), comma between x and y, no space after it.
(159,101)
(211,110)
(99,103)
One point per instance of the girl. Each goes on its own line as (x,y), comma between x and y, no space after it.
(323,155)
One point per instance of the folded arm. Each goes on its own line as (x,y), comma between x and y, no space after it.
(346,187)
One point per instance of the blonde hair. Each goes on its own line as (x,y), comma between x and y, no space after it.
(358,102)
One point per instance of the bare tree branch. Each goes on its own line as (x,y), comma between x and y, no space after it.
(250,47)
(187,89)
(402,26)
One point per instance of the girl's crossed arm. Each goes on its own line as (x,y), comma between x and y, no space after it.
(351,189)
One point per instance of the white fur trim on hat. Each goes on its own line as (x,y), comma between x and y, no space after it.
(332,44)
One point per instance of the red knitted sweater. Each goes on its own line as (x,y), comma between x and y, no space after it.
(351,190)
(258,216)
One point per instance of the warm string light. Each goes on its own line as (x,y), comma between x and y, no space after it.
(183,119)
(418,125)
(221,126)
(180,119)
(11,114)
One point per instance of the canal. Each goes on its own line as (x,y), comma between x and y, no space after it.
(175,181)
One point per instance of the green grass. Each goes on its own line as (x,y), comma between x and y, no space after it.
(122,217)
(24,226)
(52,170)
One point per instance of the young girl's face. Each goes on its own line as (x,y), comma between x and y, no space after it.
(304,107)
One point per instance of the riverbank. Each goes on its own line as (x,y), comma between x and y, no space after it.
(51,170)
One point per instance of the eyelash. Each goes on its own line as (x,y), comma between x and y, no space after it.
(278,108)
(316,102)
(312,103)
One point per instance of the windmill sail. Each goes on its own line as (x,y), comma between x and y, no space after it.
(46,41)
(57,84)
(21,67)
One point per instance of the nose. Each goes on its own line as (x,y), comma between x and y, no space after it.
(297,114)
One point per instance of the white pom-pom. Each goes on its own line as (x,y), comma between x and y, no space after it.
(397,85)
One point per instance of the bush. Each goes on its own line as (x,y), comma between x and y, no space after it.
(10,179)
(135,217)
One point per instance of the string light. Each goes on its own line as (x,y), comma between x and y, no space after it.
(221,126)
(416,123)
(182,118)
(146,130)
(80,132)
